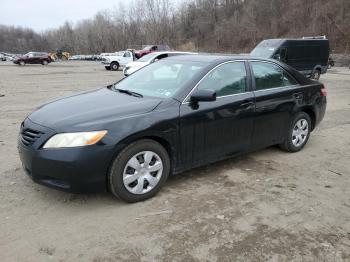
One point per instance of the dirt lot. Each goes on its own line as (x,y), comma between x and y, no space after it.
(265,206)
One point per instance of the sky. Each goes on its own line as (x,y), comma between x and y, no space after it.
(48,14)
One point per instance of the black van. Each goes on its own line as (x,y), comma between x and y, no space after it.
(309,55)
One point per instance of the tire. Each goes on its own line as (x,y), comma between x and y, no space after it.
(135,184)
(114,66)
(108,67)
(316,74)
(22,63)
(44,62)
(299,130)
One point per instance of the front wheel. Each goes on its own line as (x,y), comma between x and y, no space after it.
(114,66)
(298,133)
(22,63)
(139,171)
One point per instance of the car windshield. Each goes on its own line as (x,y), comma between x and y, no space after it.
(162,79)
(266,48)
(147,58)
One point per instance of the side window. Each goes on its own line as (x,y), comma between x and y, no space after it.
(227,79)
(270,76)
(127,54)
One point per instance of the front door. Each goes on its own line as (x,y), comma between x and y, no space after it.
(217,129)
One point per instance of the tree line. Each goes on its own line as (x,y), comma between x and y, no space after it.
(232,26)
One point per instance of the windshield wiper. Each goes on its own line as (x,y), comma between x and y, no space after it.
(129,92)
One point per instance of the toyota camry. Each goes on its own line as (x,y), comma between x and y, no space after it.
(174,115)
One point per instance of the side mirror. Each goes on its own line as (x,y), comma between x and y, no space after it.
(277,57)
(203,96)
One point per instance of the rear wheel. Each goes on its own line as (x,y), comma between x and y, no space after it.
(316,74)
(114,66)
(139,171)
(298,133)
(44,62)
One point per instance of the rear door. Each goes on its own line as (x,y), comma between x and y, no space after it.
(277,95)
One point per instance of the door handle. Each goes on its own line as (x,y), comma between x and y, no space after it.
(298,95)
(247,104)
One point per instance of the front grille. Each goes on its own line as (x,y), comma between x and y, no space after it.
(29,136)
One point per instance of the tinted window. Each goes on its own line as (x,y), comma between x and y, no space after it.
(268,75)
(227,79)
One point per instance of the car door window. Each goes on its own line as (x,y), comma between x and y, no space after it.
(227,79)
(268,75)
(127,54)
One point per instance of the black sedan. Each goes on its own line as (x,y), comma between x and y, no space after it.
(171,116)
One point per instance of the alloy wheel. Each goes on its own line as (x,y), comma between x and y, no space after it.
(142,172)
(300,132)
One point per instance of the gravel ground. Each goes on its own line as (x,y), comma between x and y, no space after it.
(265,206)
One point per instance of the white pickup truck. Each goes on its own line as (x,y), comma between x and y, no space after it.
(119,60)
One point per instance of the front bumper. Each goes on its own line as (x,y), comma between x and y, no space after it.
(78,170)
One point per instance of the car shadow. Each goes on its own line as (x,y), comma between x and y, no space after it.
(205,174)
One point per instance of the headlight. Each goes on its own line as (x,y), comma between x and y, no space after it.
(74,139)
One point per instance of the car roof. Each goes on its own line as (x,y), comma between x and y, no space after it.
(215,58)
(172,52)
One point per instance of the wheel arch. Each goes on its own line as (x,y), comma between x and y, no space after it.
(114,62)
(161,140)
(311,113)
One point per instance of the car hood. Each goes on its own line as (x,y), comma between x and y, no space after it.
(93,109)
(20,57)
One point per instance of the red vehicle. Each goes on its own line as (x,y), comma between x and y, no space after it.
(33,58)
(150,49)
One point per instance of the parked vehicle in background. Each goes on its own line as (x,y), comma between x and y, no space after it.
(108,54)
(6,56)
(75,57)
(59,55)
(308,55)
(149,59)
(2,57)
(168,117)
(151,48)
(33,58)
(118,60)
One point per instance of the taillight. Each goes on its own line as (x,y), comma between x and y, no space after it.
(323,91)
